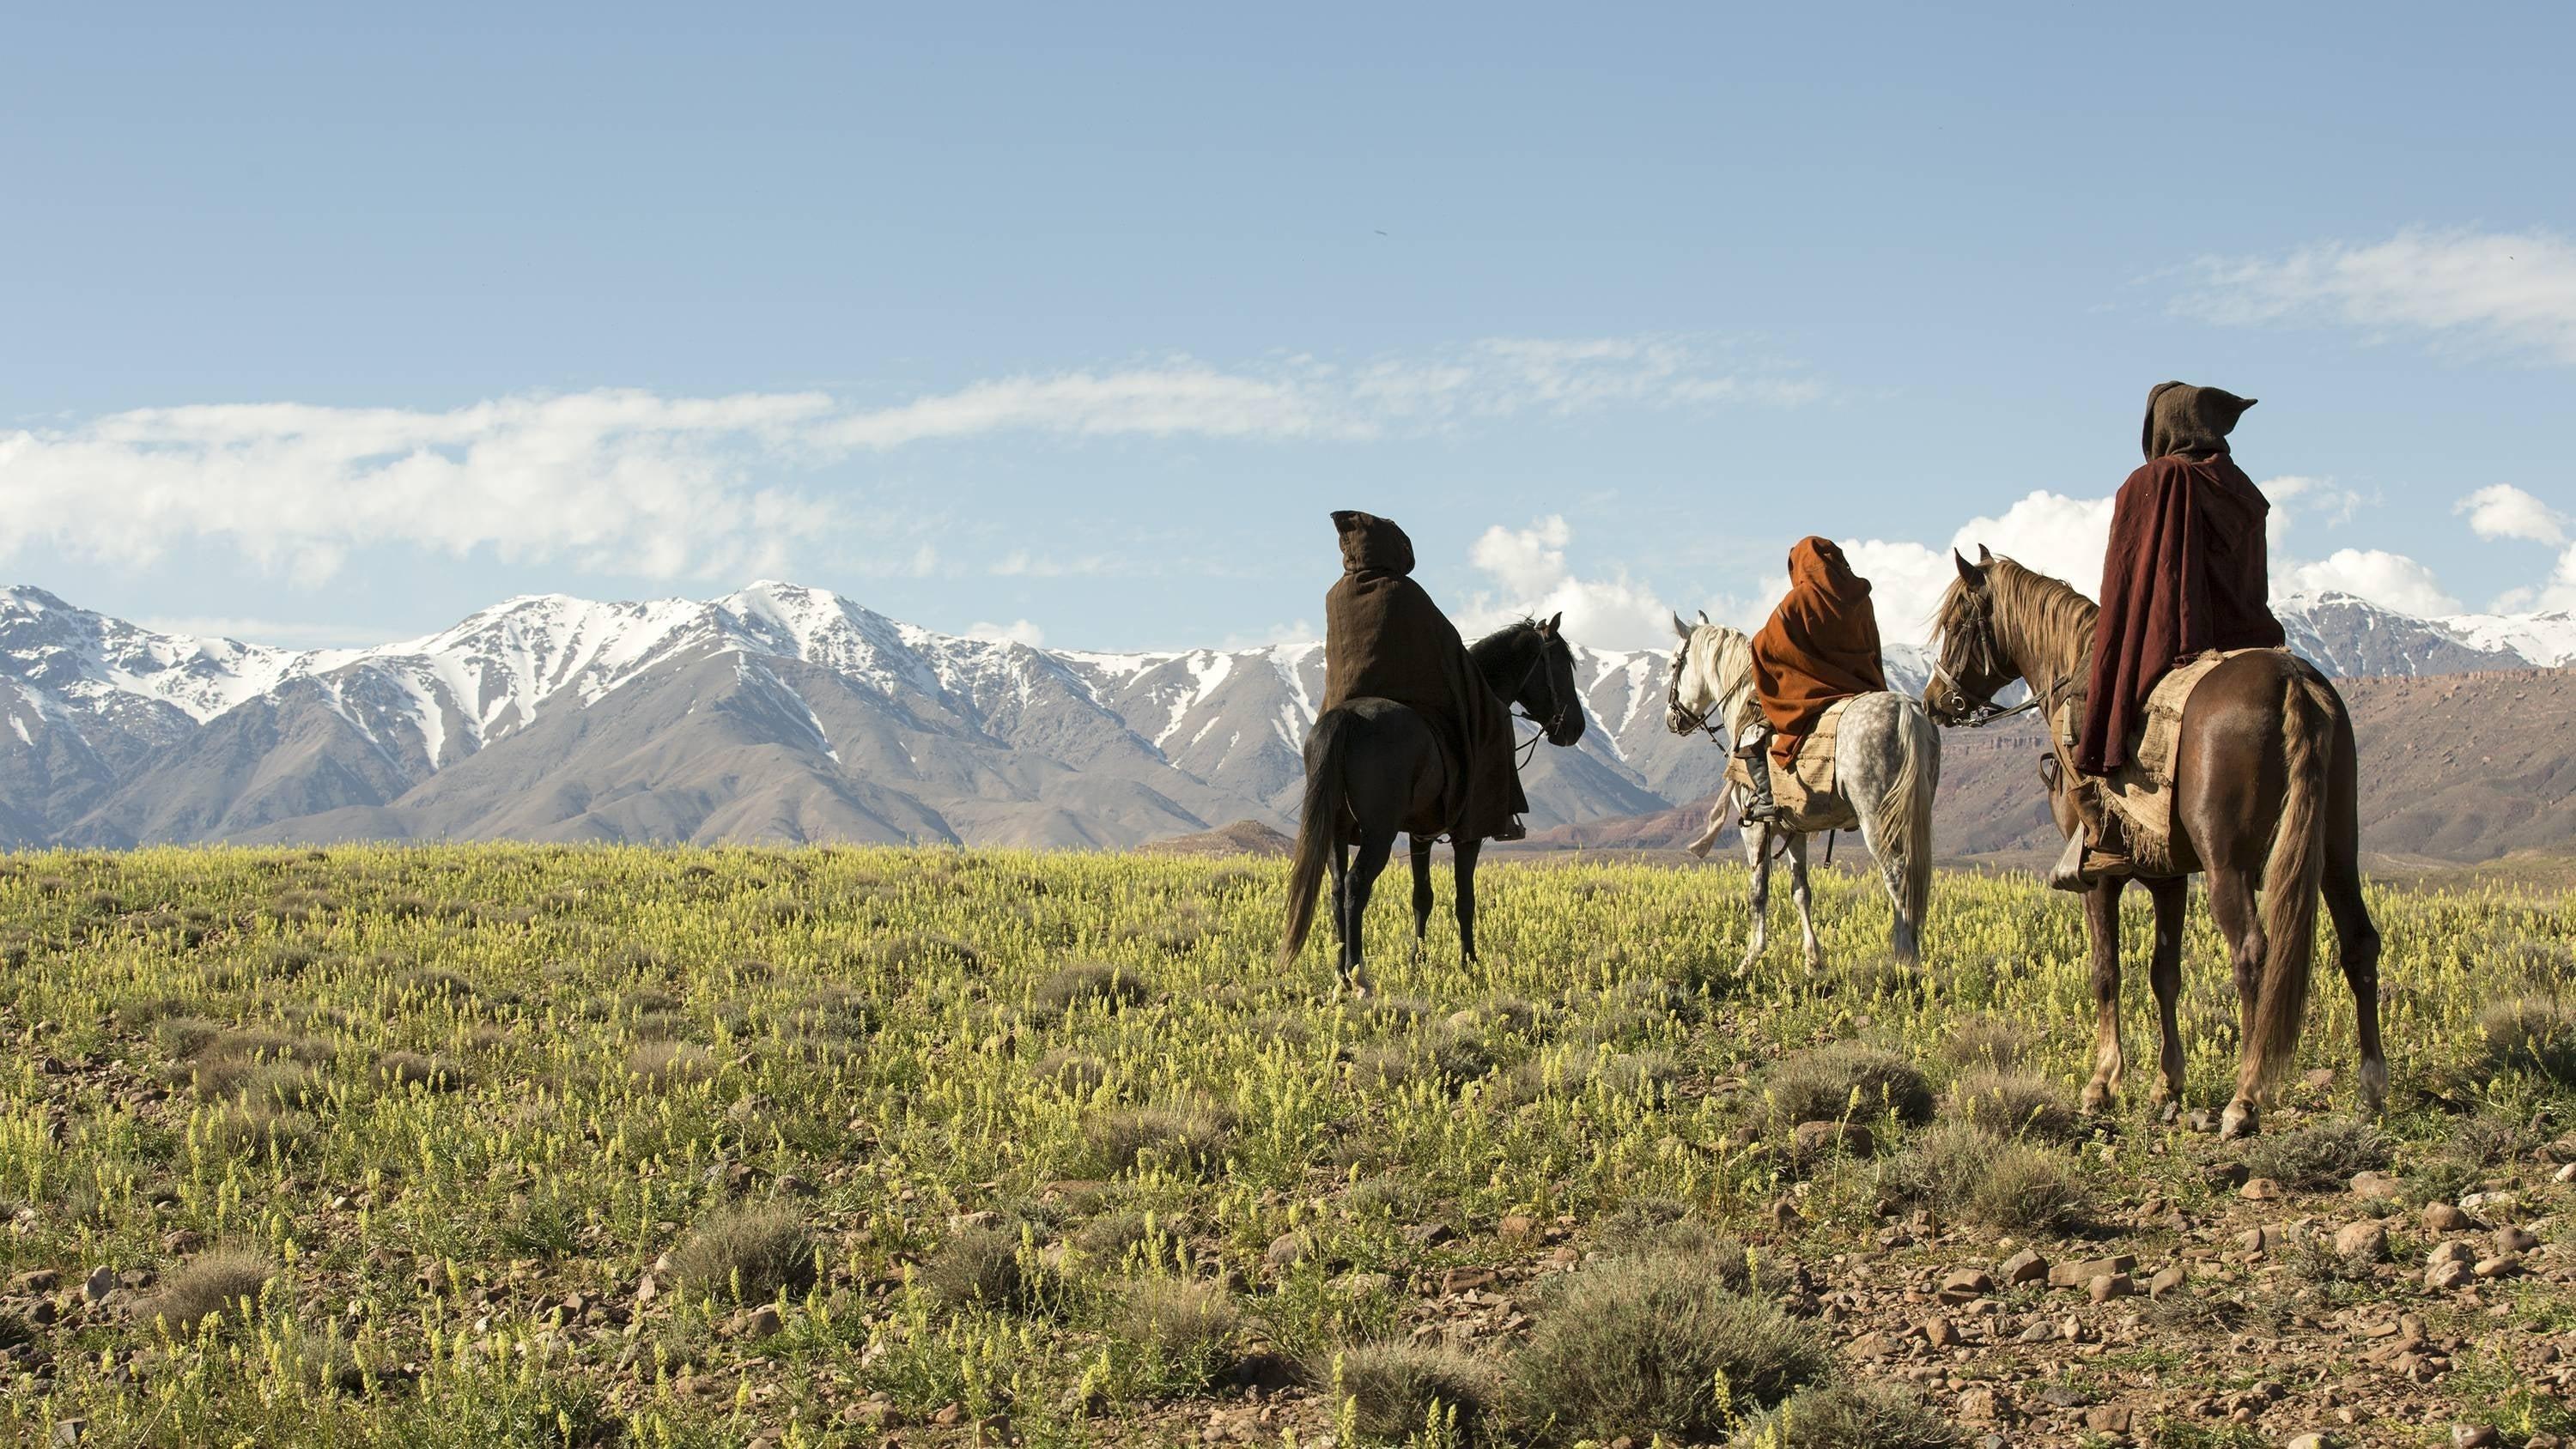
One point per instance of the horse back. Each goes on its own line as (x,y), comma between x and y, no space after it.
(2231,755)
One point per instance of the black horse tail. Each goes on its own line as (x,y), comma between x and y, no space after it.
(1316,821)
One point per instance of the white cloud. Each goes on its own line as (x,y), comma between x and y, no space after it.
(2297,496)
(2050,532)
(2501,510)
(615,481)
(1300,632)
(1532,578)
(2496,291)
(630,482)
(1018,631)
(2388,579)
(1020,563)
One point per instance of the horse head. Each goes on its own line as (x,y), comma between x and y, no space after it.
(1971,666)
(1711,665)
(1548,693)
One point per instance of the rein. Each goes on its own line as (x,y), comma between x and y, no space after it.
(1984,711)
(1528,750)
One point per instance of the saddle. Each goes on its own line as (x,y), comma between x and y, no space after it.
(2139,794)
(1805,791)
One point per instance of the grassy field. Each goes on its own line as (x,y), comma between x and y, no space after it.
(522,1145)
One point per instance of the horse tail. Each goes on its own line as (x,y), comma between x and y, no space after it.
(2291,874)
(1316,821)
(1905,811)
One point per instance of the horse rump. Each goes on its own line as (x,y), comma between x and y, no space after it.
(1317,820)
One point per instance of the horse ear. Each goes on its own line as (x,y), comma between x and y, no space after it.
(1984,557)
(1970,574)
(1680,629)
(1703,618)
(1551,625)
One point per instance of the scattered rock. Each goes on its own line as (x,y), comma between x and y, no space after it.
(759,1323)
(1966,1285)
(2110,1286)
(1875,1346)
(38,1280)
(2026,1266)
(2510,1239)
(69,1431)
(2442,1217)
(1286,1250)
(2365,1240)
(1980,1406)
(2107,1419)
(1461,1280)
(2378,1187)
(1428,1235)
(2259,1189)
(2451,1252)
(2081,1274)
(102,1281)
(2310,1441)
(2320,1077)
(2503,1265)
(2168,1280)
(2443,1277)
(1817,1139)
(2474,1436)
(1517,1228)
(1940,1333)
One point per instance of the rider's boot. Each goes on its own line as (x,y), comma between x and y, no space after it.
(1512,829)
(1759,807)
(2088,860)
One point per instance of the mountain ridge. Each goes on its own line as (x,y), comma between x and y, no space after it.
(781,712)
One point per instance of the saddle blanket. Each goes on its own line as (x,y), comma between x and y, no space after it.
(1805,791)
(2140,793)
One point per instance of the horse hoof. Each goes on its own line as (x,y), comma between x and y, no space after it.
(2239,1120)
(2374,1088)
(2093,1102)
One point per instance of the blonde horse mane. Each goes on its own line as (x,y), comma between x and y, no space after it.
(2036,619)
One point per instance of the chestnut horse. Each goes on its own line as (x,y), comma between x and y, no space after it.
(2264,798)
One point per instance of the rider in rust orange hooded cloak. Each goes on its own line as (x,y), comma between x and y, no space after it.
(1820,646)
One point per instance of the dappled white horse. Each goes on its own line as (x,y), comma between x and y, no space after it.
(1887,764)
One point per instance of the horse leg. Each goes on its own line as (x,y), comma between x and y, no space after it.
(1341,863)
(1904,937)
(1757,854)
(1375,847)
(2165,974)
(2231,901)
(1805,900)
(1421,896)
(2357,940)
(1464,856)
(2102,924)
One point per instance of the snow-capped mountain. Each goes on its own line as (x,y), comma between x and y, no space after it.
(782,712)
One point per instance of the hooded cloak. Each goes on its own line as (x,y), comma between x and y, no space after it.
(1820,645)
(1385,639)
(2187,570)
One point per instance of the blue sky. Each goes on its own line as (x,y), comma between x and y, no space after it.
(326,327)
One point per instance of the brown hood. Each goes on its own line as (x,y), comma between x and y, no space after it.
(1818,564)
(2192,421)
(1372,545)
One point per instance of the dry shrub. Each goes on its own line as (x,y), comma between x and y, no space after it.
(2014,1104)
(660,1064)
(1074,987)
(1863,1416)
(212,1284)
(1400,1390)
(2530,1034)
(1077,1073)
(1183,1138)
(1640,1347)
(1189,1329)
(923,952)
(257,1126)
(1985,1040)
(1966,1172)
(1846,1080)
(430,1074)
(1109,1237)
(983,1267)
(747,1255)
(2320,1155)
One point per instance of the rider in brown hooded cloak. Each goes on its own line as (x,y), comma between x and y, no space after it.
(1820,646)
(2187,571)
(1385,639)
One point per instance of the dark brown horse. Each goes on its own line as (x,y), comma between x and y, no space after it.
(1374,770)
(2263,799)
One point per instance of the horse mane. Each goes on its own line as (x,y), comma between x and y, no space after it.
(2036,618)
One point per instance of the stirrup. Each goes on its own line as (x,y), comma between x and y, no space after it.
(1511,829)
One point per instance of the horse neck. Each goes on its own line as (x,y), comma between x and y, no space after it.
(1730,675)
(1499,658)
(2044,636)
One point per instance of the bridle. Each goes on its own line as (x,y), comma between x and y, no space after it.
(1556,705)
(1982,709)
(1673,697)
